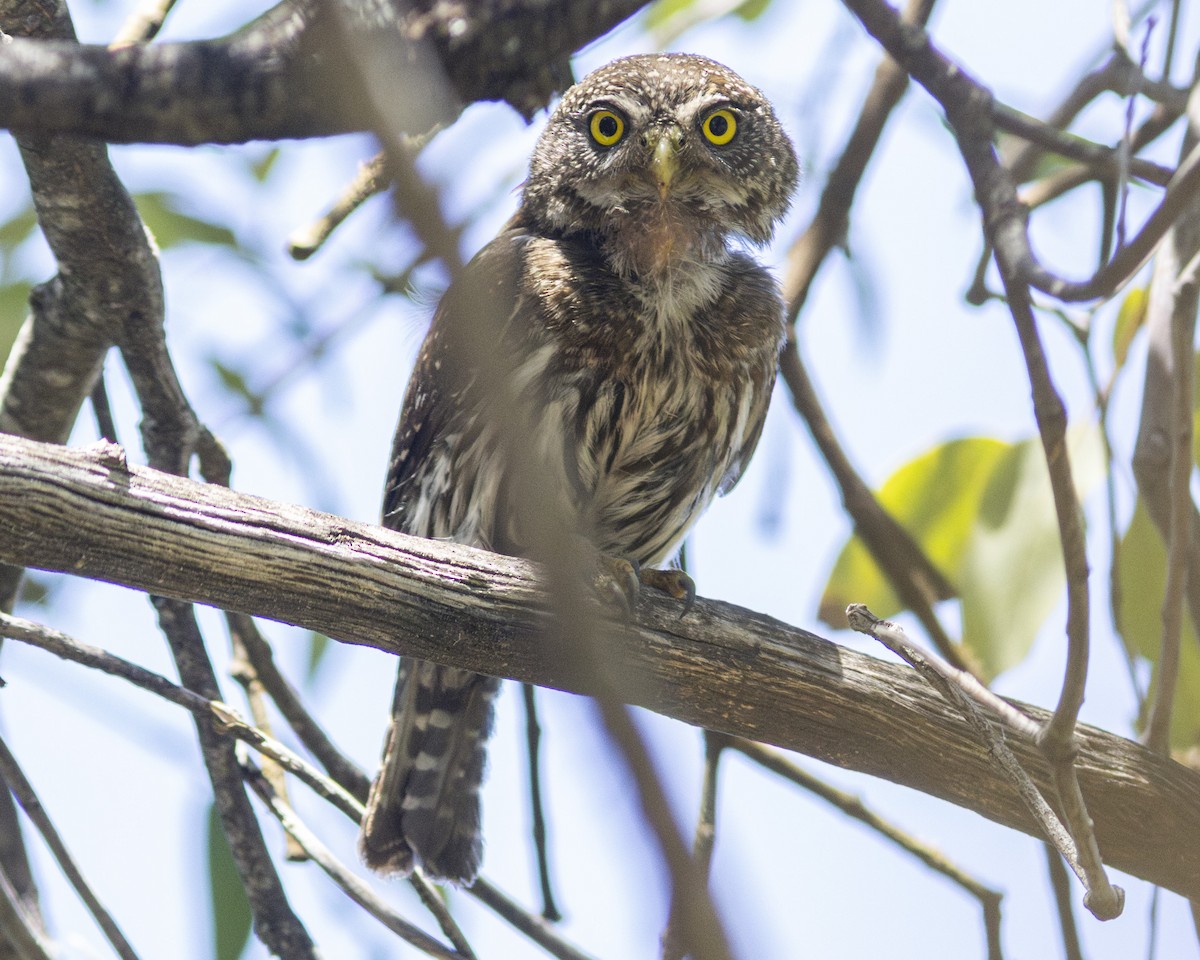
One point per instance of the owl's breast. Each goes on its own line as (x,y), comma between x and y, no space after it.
(654,400)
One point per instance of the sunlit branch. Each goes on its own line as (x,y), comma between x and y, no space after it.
(1075,840)
(367,182)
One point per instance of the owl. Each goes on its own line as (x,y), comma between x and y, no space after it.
(644,340)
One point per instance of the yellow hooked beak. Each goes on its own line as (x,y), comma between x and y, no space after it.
(664,143)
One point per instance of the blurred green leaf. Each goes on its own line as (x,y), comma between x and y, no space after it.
(14,305)
(1196,411)
(665,20)
(936,498)
(1142,581)
(172,227)
(262,166)
(1012,573)
(751,10)
(984,513)
(235,382)
(230,909)
(1130,318)
(318,646)
(18,228)
(659,13)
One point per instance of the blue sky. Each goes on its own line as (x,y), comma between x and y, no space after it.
(902,364)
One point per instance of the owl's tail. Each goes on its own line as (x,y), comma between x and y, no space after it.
(424,804)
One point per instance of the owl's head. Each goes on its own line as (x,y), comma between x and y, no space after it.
(668,139)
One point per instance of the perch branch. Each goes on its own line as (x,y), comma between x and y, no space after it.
(82,512)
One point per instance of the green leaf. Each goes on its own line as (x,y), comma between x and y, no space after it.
(172,227)
(230,908)
(751,10)
(984,513)
(318,646)
(1142,584)
(1196,411)
(1012,574)
(18,228)
(262,166)
(14,305)
(235,382)
(1130,318)
(935,498)
(659,13)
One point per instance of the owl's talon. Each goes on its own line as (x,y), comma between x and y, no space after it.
(618,581)
(674,582)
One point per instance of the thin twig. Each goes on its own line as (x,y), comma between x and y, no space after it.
(102,410)
(1172,37)
(26,796)
(964,683)
(534,927)
(989,899)
(289,704)
(917,582)
(533,736)
(1099,159)
(1102,899)
(366,183)
(1060,881)
(350,884)
(437,906)
(966,103)
(213,711)
(242,670)
(228,721)
(143,24)
(704,840)
(1057,740)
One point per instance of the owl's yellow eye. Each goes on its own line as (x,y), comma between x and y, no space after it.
(606,127)
(719,127)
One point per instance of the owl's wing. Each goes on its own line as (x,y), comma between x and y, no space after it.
(481,303)
(756,294)
(741,457)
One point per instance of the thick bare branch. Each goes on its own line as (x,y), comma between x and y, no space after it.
(274,79)
(89,514)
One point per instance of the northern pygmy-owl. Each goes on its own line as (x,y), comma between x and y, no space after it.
(645,341)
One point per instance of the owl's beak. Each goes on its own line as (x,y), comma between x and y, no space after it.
(664,146)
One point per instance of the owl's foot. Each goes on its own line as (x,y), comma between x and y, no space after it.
(617,582)
(673,581)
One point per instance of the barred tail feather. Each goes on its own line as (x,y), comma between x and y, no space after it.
(424,805)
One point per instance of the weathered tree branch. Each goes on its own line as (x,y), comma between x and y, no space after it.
(275,78)
(88,513)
